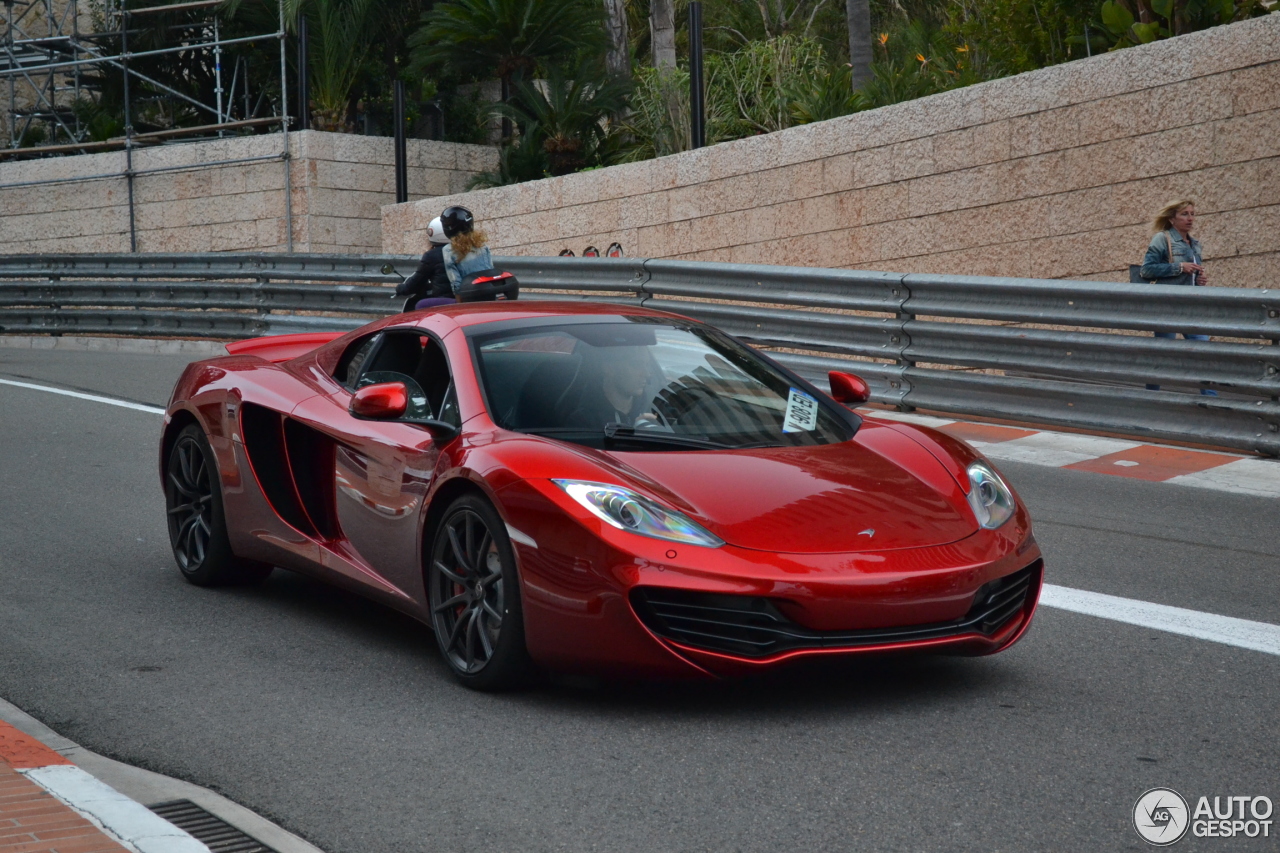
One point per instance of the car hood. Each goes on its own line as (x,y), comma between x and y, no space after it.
(829,498)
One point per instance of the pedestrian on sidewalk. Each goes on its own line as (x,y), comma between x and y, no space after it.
(1174,257)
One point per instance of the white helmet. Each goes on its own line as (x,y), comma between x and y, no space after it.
(435,233)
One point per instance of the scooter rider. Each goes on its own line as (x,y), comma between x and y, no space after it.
(466,253)
(429,282)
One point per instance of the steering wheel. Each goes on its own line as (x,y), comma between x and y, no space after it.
(658,421)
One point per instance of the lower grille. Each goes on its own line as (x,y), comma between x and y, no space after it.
(218,835)
(752,626)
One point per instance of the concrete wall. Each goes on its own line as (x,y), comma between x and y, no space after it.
(340,182)
(1050,174)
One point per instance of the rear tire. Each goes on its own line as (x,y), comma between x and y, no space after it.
(197,524)
(474,595)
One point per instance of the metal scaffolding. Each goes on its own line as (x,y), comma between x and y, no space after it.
(54,66)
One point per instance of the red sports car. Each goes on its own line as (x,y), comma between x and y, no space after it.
(591,488)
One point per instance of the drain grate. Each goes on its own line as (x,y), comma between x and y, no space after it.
(218,835)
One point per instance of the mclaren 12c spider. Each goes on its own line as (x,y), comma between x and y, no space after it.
(593,489)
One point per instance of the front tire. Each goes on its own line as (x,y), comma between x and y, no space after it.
(197,524)
(474,594)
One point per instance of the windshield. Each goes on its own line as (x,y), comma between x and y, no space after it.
(641,385)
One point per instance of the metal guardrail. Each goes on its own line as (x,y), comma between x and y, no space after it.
(961,344)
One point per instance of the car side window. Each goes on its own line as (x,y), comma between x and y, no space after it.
(449,409)
(419,362)
(349,366)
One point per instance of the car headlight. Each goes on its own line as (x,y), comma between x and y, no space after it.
(989,497)
(626,510)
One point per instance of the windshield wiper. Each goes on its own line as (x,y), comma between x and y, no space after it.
(617,432)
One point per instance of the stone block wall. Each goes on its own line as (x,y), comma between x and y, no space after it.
(339,184)
(1051,174)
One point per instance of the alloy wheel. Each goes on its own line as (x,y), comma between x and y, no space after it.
(190,499)
(467,596)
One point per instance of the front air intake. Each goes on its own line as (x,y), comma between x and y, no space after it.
(752,626)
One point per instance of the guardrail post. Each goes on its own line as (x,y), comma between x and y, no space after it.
(260,295)
(1274,313)
(902,340)
(54,304)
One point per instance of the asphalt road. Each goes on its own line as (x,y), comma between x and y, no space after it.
(336,717)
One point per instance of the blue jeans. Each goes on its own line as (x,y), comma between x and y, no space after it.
(1208,392)
(433,302)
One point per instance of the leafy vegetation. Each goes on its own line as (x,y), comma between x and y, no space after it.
(345,33)
(563,124)
(502,38)
(1130,22)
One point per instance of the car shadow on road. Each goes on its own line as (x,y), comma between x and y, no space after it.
(872,683)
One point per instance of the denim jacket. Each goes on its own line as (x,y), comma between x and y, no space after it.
(1159,268)
(477,261)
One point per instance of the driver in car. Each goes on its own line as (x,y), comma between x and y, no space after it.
(619,397)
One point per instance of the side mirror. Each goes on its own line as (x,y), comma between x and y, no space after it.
(848,389)
(388,401)
(390,269)
(380,402)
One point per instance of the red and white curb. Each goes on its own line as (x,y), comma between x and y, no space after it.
(127,822)
(1227,472)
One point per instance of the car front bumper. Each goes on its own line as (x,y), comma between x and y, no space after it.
(605,601)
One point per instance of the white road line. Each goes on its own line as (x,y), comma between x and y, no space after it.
(1242,633)
(110,401)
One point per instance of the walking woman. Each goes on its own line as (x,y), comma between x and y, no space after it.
(1173,257)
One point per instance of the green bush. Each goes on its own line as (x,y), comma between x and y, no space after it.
(755,84)
(1012,36)
(761,87)
(565,124)
(1130,22)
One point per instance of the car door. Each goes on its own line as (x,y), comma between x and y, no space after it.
(382,470)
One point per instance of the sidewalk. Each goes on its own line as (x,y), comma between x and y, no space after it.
(58,797)
(48,805)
